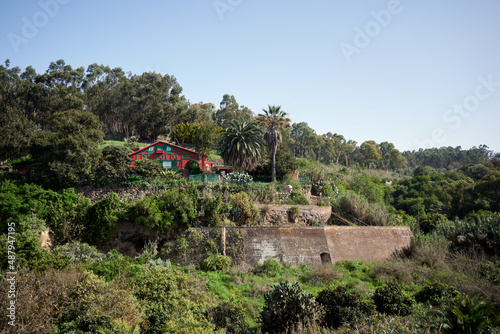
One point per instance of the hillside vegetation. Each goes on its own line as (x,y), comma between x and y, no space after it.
(59,175)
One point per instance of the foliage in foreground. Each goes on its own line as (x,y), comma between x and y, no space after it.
(286,306)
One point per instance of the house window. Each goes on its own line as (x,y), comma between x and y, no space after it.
(167,164)
(151,149)
(169,148)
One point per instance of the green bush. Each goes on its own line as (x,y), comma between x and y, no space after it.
(79,252)
(491,271)
(294,213)
(436,294)
(230,317)
(244,212)
(102,217)
(168,295)
(467,315)
(114,166)
(241,179)
(297,198)
(389,299)
(147,168)
(114,265)
(371,213)
(430,221)
(216,262)
(193,167)
(63,213)
(322,188)
(169,211)
(342,306)
(286,306)
(98,305)
(271,268)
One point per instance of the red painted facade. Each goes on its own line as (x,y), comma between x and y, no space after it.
(170,156)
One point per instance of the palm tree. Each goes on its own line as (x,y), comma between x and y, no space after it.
(241,146)
(273,119)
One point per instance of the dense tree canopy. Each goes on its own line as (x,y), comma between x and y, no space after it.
(151,106)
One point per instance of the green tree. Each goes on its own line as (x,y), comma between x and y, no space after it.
(241,146)
(17,133)
(68,149)
(231,111)
(159,100)
(273,120)
(391,157)
(115,164)
(304,139)
(206,138)
(370,152)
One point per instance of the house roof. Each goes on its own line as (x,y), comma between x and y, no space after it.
(187,151)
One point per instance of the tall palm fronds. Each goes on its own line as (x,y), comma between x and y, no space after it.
(241,146)
(273,119)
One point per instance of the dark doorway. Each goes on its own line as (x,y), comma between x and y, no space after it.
(325,258)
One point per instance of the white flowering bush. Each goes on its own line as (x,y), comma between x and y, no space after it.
(238,178)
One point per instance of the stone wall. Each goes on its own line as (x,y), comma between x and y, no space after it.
(296,245)
(281,215)
(318,245)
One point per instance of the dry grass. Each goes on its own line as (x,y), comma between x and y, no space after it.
(39,299)
(321,275)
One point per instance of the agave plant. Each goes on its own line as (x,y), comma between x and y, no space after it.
(171,174)
(468,315)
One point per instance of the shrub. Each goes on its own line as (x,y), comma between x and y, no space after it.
(436,294)
(115,165)
(241,179)
(115,265)
(357,205)
(34,314)
(271,267)
(342,307)
(430,221)
(29,252)
(229,316)
(244,212)
(322,188)
(287,306)
(297,198)
(98,305)
(147,168)
(321,275)
(467,315)
(102,217)
(216,262)
(294,213)
(169,211)
(169,295)
(79,252)
(491,271)
(193,167)
(389,299)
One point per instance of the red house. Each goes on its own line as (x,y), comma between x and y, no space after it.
(170,156)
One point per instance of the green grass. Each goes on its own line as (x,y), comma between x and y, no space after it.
(119,143)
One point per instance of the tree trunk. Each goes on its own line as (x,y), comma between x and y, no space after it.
(273,163)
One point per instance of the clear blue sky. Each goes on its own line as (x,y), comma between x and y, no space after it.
(417,73)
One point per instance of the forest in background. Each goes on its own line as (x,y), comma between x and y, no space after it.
(56,122)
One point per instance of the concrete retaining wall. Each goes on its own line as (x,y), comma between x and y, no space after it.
(318,245)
